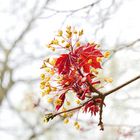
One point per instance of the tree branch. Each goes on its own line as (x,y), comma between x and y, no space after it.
(102,96)
(75,10)
(121,86)
(101,115)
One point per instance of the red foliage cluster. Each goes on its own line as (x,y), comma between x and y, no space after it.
(79,59)
(76,71)
(75,68)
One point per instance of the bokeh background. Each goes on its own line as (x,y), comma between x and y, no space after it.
(25,29)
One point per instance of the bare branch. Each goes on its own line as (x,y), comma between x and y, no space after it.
(73,11)
(121,86)
(124,46)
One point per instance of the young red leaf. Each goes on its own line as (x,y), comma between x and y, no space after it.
(63,64)
(86,53)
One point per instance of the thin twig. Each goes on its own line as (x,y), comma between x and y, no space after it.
(75,10)
(101,115)
(121,86)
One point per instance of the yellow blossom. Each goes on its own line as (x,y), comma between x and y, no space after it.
(68,28)
(52,61)
(60,33)
(48,69)
(69,34)
(58,102)
(94,70)
(77,126)
(42,76)
(67,45)
(55,42)
(65,115)
(90,61)
(68,31)
(75,32)
(58,82)
(77,44)
(78,101)
(42,86)
(42,93)
(47,78)
(54,88)
(52,72)
(62,41)
(68,103)
(64,109)
(76,123)
(81,32)
(43,65)
(47,90)
(59,77)
(99,59)
(47,83)
(42,82)
(70,114)
(50,100)
(53,49)
(98,46)
(49,46)
(107,54)
(108,79)
(45,119)
(66,121)
(92,43)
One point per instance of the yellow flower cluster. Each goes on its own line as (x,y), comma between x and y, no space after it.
(64,39)
(108,79)
(66,115)
(45,77)
(76,124)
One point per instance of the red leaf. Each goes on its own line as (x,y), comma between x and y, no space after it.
(90,76)
(91,107)
(86,68)
(69,79)
(88,52)
(63,64)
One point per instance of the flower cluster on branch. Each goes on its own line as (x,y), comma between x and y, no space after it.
(74,73)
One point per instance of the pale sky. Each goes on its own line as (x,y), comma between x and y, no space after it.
(123,24)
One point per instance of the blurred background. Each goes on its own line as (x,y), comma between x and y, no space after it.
(25,29)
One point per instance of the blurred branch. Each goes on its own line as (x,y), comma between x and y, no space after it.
(121,86)
(73,11)
(121,47)
(18,113)
(2,46)
(125,46)
(8,52)
(44,130)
